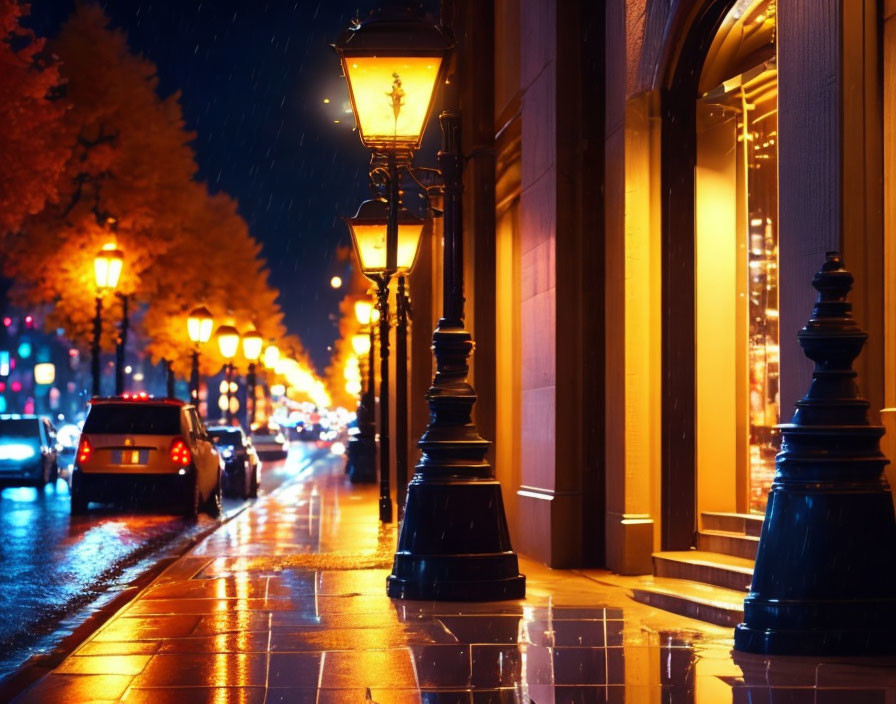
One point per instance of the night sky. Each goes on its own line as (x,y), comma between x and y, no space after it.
(253,77)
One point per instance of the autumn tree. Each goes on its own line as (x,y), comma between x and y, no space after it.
(129,159)
(125,175)
(226,273)
(32,154)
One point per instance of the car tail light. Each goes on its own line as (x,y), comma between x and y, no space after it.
(179,452)
(84,450)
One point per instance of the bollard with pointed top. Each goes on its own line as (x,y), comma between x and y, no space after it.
(825,576)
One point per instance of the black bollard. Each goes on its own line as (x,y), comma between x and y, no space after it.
(825,576)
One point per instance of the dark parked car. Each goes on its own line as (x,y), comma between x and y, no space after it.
(270,443)
(27,451)
(241,463)
(133,445)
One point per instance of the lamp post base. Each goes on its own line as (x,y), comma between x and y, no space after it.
(460,549)
(825,578)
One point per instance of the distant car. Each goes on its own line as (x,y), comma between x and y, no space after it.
(28,455)
(136,446)
(241,463)
(270,443)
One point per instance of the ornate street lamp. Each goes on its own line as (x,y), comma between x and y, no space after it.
(107,265)
(454,544)
(369,230)
(199,330)
(228,343)
(253,343)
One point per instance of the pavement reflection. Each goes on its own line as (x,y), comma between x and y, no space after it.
(286,603)
(54,565)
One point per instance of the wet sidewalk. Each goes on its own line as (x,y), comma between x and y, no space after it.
(286,603)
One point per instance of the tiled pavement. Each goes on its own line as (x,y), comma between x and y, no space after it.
(286,603)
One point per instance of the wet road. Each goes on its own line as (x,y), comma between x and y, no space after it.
(56,569)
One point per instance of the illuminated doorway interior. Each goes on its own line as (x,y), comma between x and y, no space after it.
(736,266)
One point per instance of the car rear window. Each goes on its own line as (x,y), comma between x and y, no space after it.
(133,419)
(19,428)
(226,437)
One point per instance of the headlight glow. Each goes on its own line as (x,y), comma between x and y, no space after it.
(16,452)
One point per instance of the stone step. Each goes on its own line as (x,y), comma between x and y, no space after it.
(723,607)
(734,544)
(746,523)
(707,567)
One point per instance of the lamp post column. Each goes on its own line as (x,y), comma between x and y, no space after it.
(169,378)
(95,346)
(385,492)
(401,395)
(250,394)
(120,346)
(194,380)
(454,544)
(228,377)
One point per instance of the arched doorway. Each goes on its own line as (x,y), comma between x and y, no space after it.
(720,395)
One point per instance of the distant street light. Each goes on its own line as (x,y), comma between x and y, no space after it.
(199,329)
(228,342)
(336,282)
(363,311)
(271,355)
(107,265)
(253,343)
(361,343)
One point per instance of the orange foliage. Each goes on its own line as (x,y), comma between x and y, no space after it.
(32,155)
(123,155)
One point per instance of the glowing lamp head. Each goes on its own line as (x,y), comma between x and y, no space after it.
(363,311)
(253,343)
(228,341)
(361,343)
(107,267)
(393,61)
(368,228)
(199,325)
(271,355)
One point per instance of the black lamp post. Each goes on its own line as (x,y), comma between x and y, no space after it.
(107,266)
(228,342)
(199,330)
(121,344)
(253,343)
(362,446)
(454,544)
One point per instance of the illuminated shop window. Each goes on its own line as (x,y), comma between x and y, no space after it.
(737,201)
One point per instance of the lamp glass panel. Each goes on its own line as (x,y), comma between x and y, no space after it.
(391,96)
(371,240)
(205,329)
(114,272)
(363,310)
(107,269)
(271,356)
(252,344)
(228,344)
(361,343)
